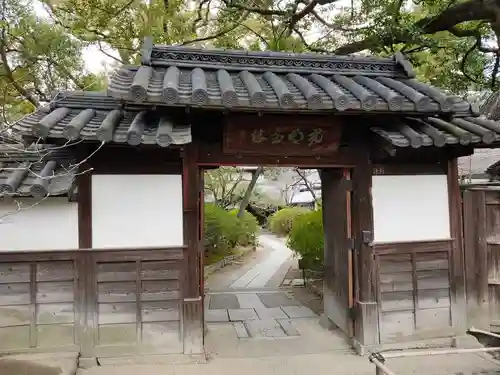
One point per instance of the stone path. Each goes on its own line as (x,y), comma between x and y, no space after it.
(258,314)
(259,275)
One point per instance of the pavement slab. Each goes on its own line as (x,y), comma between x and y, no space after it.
(288,327)
(239,315)
(298,312)
(271,313)
(219,315)
(250,301)
(277,299)
(269,328)
(223,301)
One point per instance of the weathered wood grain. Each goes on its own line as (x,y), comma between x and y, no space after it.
(433,298)
(396,282)
(14,273)
(116,292)
(396,301)
(160,290)
(15,315)
(116,271)
(396,326)
(436,279)
(427,319)
(57,291)
(113,313)
(14,294)
(394,263)
(59,335)
(160,311)
(55,313)
(55,271)
(166,270)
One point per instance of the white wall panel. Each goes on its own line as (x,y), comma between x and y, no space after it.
(410,208)
(50,224)
(136,211)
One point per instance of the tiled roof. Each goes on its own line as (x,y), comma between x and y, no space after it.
(278,91)
(275,81)
(434,131)
(94,116)
(36,171)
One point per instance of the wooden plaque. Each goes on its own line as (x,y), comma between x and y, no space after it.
(281,135)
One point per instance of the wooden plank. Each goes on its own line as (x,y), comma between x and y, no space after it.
(394,263)
(117,334)
(428,319)
(412,247)
(116,292)
(396,282)
(134,255)
(113,313)
(55,313)
(166,334)
(163,270)
(431,261)
(55,271)
(50,336)
(15,315)
(433,298)
(396,301)
(14,338)
(14,273)
(436,279)
(160,290)
(57,291)
(116,271)
(14,294)
(396,326)
(160,311)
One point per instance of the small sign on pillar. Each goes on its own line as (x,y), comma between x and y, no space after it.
(267,135)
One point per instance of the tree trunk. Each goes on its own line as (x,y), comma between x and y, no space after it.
(248,192)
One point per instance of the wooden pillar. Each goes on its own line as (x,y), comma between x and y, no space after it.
(192,298)
(84,269)
(458,312)
(366,311)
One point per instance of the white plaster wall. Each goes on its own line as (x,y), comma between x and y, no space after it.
(50,224)
(136,211)
(410,208)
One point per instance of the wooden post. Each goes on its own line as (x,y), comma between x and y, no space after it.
(366,321)
(458,307)
(192,299)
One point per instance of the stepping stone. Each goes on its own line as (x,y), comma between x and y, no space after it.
(288,327)
(250,301)
(265,328)
(223,301)
(298,282)
(239,315)
(271,313)
(298,312)
(277,300)
(219,315)
(241,330)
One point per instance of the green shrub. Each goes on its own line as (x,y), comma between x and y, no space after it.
(281,221)
(306,238)
(224,231)
(247,227)
(217,228)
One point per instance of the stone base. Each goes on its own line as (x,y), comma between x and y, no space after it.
(39,364)
(326,323)
(87,362)
(363,350)
(168,359)
(466,342)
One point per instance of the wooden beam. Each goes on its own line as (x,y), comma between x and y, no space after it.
(212,155)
